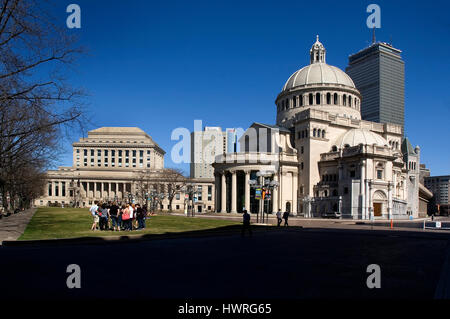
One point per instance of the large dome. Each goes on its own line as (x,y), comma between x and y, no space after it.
(355,137)
(318,73)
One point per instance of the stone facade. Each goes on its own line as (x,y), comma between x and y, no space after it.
(345,166)
(108,165)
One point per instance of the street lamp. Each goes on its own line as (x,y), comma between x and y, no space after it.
(266,187)
(191,190)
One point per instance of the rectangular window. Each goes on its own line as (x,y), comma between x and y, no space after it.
(134,153)
(56,189)
(63,189)
(92,153)
(199,193)
(379,174)
(49,188)
(209,192)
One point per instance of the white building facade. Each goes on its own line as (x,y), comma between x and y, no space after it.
(326,160)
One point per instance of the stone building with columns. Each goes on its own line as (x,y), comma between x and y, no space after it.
(326,160)
(108,165)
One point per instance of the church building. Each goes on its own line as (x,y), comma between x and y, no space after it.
(325,160)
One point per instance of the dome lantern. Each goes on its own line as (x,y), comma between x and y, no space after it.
(317,52)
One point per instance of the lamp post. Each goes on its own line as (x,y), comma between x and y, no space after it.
(266,187)
(191,190)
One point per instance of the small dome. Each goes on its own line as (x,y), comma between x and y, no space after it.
(318,73)
(355,137)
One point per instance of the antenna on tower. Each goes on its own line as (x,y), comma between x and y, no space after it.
(373,36)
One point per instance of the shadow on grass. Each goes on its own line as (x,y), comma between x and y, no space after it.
(135,236)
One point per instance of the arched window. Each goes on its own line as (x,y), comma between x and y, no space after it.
(323,133)
(311,99)
(328,98)
(287,104)
(349,101)
(300,101)
(317,98)
(314,132)
(335,99)
(334,148)
(344,100)
(318,132)
(294,101)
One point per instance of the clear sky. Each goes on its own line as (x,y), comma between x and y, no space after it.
(159,65)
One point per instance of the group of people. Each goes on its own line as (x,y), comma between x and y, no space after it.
(114,217)
(285,217)
(246,221)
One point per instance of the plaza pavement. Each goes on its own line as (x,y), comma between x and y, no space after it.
(13,226)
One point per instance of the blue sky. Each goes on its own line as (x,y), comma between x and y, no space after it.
(159,65)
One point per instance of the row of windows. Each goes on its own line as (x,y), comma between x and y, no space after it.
(317,99)
(394,145)
(56,189)
(315,133)
(113,155)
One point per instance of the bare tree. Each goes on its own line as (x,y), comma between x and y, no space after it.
(37,104)
(174,180)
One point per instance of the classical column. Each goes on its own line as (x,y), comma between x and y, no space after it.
(102,189)
(247,191)
(390,200)
(216,191)
(233,192)
(223,202)
(275,195)
(294,193)
(361,192)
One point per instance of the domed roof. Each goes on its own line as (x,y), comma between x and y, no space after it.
(318,73)
(355,137)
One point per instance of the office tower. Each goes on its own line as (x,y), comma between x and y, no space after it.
(379,74)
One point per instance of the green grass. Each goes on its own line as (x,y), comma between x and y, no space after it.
(53,223)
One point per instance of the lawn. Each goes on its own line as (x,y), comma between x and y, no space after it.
(53,222)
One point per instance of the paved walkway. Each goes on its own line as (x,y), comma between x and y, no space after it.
(13,226)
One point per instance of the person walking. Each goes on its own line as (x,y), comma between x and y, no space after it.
(286,217)
(94,212)
(246,223)
(279,220)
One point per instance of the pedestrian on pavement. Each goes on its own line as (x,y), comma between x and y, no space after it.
(279,220)
(246,223)
(93,210)
(286,217)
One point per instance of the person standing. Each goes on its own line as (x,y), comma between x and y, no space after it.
(140,217)
(104,217)
(279,220)
(114,214)
(93,210)
(126,217)
(286,217)
(246,223)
